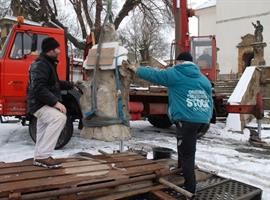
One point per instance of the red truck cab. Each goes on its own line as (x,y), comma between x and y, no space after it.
(21,48)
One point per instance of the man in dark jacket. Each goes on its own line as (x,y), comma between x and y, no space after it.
(44,102)
(190,106)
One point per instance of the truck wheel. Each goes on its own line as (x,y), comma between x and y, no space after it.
(65,135)
(160,121)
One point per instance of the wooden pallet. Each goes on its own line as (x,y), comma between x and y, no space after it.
(111,176)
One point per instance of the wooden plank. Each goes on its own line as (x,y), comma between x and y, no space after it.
(80,167)
(130,193)
(56,182)
(122,159)
(134,163)
(102,156)
(108,191)
(29,162)
(114,158)
(31,168)
(95,193)
(162,195)
(122,154)
(54,173)
(24,168)
(120,195)
(134,186)
(176,187)
(75,178)
(106,56)
(67,197)
(143,169)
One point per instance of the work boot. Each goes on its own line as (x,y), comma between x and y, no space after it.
(49,163)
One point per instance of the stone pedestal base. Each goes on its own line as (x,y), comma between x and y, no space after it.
(107,105)
(107,133)
(258,59)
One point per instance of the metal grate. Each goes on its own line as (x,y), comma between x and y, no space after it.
(213,180)
(229,190)
(214,188)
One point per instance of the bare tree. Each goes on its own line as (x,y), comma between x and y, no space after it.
(89,13)
(143,38)
(4,8)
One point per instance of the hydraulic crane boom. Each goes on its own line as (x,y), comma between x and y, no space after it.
(181,15)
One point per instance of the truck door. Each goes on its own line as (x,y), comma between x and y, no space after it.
(20,55)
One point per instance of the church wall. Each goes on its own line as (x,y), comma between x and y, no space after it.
(206,21)
(229,21)
(234,20)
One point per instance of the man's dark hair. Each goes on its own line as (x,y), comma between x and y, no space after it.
(185,56)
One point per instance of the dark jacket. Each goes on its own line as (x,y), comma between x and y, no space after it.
(44,86)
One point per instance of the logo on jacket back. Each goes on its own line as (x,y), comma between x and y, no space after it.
(197,100)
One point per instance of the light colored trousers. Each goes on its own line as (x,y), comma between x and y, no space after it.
(50,123)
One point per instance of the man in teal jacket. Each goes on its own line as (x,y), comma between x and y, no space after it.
(190,106)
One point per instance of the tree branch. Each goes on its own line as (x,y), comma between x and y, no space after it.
(128,6)
(38,11)
(99,7)
(55,9)
(86,12)
(78,44)
(78,10)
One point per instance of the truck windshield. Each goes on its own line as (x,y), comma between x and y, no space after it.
(3,50)
(26,43)
(202,52)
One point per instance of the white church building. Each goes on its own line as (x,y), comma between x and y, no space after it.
(231,22)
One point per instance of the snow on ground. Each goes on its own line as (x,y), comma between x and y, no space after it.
(221,151)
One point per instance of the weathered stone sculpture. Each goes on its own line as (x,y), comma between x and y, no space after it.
(258,45)
(258,31)
(106,88)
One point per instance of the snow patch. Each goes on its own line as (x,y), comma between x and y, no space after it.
(221,150)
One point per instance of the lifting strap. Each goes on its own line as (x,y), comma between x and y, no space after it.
(95,118)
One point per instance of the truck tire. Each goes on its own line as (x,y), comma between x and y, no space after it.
(160,121)
(65,135)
